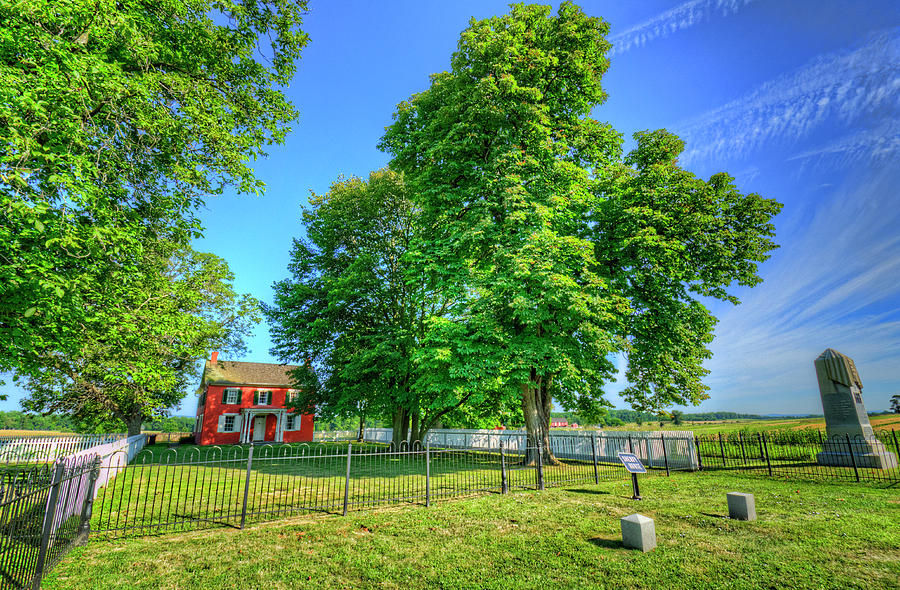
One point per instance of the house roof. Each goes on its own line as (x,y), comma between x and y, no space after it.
(241,373)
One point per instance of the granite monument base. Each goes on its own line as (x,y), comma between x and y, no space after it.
(871,454)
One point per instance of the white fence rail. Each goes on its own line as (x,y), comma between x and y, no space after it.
(335,435)
(679,452)
(114,456)
(18,449)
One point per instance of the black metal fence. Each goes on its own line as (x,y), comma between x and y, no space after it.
(804,454)
(44,512)
(170,490)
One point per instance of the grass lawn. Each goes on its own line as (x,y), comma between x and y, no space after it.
(809,535)
(183,488)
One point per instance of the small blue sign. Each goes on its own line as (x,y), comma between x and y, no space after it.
(632,463)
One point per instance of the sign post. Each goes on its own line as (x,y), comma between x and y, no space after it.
(634,466)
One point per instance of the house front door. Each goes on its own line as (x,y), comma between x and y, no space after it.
(259,428)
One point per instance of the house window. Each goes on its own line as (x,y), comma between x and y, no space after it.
(229,424)
(263,397)
(290,422)
(232,395)
(291,395)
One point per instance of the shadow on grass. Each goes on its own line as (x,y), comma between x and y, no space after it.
(711,515)
(607,543)
(583,491)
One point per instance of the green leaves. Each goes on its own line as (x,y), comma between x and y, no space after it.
(118,120)
(138,350)
(555,250)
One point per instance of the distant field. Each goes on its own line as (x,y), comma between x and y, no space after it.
(882,422)
(35,433)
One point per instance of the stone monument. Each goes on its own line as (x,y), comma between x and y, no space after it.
(846,418)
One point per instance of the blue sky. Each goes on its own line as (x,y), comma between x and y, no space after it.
(798,100)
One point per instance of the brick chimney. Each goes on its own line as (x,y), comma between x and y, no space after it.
(214,358)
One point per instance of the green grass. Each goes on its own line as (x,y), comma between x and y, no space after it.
(808,535)
(170,491)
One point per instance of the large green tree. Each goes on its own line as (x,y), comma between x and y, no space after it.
(559,251)
(356,309)
(162,320)
(117,119)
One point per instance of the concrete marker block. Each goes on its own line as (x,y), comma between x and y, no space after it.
(741,506)
(638,532)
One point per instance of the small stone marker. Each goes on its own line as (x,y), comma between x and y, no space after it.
(638,532)
(741,506)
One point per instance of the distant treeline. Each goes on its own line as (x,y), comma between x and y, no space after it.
(23,421)
(171,424)
(620,417)
(59,423)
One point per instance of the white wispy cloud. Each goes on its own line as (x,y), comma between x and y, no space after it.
(881,144)
(834,285)
(838,89)
(673,20)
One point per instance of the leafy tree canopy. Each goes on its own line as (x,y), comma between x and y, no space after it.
(558,250)
(117,119)
(139,363)
(356,309)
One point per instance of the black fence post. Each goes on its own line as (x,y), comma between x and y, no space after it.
(247,487)
(766,449)
(504,484)
(852,457)
(759,442)
(722,449)
(699,455)
(896,446)
(594,455)
(630,445)
(743,450)
(47,528)
(427,473)
(540,465)
(662,437)
(87,509)
(347,480)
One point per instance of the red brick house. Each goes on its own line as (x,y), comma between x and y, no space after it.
(245,402)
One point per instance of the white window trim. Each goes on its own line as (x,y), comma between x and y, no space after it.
(229,391)
(259,394)
(236,426)
(293,426)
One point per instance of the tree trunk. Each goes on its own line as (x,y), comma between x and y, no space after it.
(422,426)
(134,424)
(414,429)
(536,403)
(360,437)
(400,427)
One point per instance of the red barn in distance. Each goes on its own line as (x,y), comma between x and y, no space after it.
(245,403)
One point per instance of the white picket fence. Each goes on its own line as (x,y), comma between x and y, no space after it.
(114,456)
(335,435)
(680,451)
(18,449)
(114,452)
